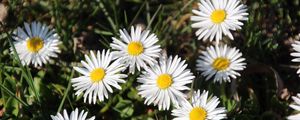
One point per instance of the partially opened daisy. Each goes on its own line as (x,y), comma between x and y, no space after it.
(217,17)
(201,108)
(296,47)
(100,74)
(163,84)
(136,50)
(36,43)
(75,115)
(221,63)
(295,106)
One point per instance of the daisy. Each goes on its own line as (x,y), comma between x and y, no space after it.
(163,83)
(296,107)
(296,47)
(100,74)
(74,116)
(217,17)
(221,62)
(36,43)
(137,49)
(201,108)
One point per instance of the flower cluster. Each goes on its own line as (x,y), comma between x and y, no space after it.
(163,80)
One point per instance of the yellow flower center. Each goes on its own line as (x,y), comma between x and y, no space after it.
(164,81)
(97,75)
(135,48)
(221,63)
(35,44)
(218,16)
(198,113)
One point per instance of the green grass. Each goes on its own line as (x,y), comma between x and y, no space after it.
(262,92)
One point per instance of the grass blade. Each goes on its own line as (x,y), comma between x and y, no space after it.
(27,75)
(152,19)
(112,24)
(137,14)
(13,95)
(66,92)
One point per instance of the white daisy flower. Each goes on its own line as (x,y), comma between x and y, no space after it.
(217,17)
(99,74)
(36,43)
(295,106)
(296,47)
(221,62)
(137,49)
(201,108)
(163,83)
(74,116)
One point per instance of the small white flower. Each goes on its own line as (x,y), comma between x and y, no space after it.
(163,83)
(295,106)
(99,74)
(296,47)
(36,43)
(136,50)
(217,17)
(201,108)
(221,62)
(74,116)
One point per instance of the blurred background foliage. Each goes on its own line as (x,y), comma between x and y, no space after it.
(262,92)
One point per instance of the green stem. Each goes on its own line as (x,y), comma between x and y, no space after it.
(223,90)
(107,106)
(66,92)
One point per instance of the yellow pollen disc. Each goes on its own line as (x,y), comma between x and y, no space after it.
(164,81)
(97,75)
(218,16)
(198,113)
(221,63)
(135,48)
(35,44)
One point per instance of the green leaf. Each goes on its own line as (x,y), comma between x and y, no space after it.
(11,106)
(122,104)
(274,1)
(133,94)
(125,107)
(127,112)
